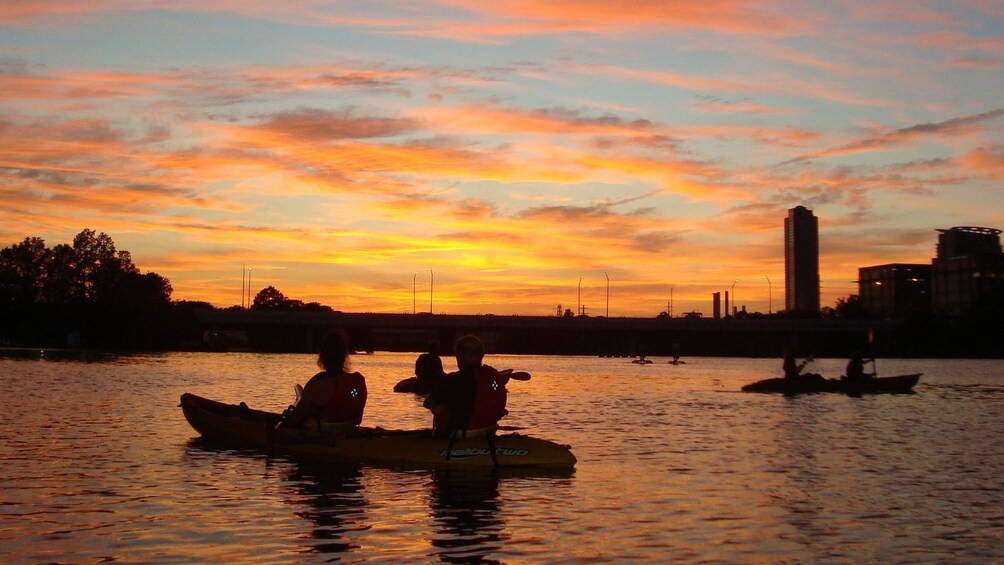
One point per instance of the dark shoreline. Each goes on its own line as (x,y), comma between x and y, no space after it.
(277,331)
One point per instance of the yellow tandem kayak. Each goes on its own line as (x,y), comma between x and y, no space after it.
(244,427)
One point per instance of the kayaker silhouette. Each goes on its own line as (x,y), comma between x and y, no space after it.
(334,399)
(792,370)
(470,401)
(856,367)
(429,367)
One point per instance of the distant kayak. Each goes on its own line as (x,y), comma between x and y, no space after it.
(900,384)
(240,426)
(412,384)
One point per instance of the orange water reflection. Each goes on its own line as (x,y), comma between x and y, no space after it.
(674,465)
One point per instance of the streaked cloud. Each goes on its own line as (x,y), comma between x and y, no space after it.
(891,138)
(343,148)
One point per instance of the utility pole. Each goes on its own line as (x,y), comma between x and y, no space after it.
(578,302)
(608,292)
(769,298)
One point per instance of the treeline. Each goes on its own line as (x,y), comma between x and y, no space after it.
(83,294)
(271,298)
(88,294)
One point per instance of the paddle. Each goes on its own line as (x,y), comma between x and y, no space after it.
(808,360)
(299,396)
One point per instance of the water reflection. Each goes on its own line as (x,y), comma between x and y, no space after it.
(98,463)
(467,515)
(56,354)
(332,497)
(328,501)
(798,460)
(464,518)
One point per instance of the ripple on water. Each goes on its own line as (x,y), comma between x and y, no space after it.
(674,466)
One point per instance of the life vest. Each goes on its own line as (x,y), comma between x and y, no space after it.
(486,408)
(489,399)
(347,400)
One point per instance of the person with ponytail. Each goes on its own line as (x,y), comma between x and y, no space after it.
(333,399)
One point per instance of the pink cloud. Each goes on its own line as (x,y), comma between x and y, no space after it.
(892,138)
(714,105)
(986,161)
(469,21)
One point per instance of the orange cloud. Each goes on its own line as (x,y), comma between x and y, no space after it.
(523,17)
(986,161)
(340,180)
(469,21)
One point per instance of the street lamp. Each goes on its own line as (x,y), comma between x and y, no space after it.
(608,292)
(578,303)
(414,299)
(769,299)
(430,289)
(735,308)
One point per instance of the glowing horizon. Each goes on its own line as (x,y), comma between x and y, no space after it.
(342,150)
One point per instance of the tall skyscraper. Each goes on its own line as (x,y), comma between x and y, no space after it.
(801,261)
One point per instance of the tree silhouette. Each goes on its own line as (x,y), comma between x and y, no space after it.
(23,272)
(88,287)
(271,298)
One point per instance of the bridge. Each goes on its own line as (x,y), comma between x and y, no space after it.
(298,331)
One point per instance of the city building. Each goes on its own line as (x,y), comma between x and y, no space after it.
(896,290)
(801,261)
(969,265)
(968,241)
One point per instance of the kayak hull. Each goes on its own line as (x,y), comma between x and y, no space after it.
(239,426)
(900,384)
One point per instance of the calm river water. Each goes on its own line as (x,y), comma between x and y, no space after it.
(97,463)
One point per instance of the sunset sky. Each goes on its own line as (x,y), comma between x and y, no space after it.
(521,153)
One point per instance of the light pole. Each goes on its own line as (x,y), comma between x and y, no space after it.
(735,308)
(608,292)
(578,302)
(769,299)
(243,275)
(431,278)
(414,299)
(249,287)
